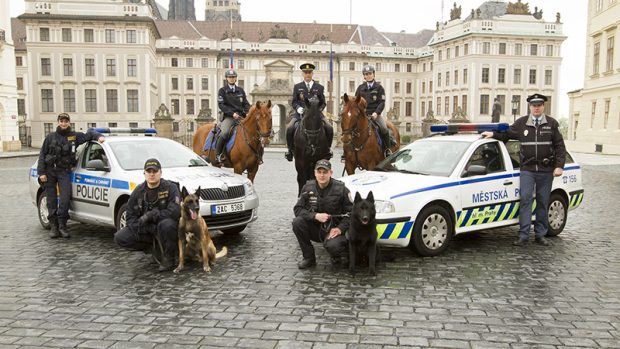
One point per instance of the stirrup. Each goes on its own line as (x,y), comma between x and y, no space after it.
(387,152)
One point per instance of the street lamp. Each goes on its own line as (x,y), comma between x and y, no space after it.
(515,107)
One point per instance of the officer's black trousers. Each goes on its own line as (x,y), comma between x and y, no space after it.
(306,232)
(58,210)
(226,126)
(142,240)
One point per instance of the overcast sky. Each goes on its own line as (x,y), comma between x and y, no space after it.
(412,16)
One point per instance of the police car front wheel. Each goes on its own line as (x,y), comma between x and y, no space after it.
(432,231)
(120,221)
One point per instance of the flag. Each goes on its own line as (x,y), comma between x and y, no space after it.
(331,63)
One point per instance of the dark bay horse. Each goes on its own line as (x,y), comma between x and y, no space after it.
(359,139)
(310,142)
(253,133)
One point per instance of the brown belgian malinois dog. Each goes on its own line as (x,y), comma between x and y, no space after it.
(194,237)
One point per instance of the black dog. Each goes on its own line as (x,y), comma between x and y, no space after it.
(362,233)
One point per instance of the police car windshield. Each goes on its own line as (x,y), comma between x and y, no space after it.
(427,157)
(132,154)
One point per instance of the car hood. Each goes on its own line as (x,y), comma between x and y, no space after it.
(391,185)
(200,176)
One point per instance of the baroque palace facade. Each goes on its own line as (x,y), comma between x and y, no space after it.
(594,111)
(115,63)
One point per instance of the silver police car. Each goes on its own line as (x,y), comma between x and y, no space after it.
(107,173)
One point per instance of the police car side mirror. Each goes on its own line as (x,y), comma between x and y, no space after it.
(97,165)
(475,170)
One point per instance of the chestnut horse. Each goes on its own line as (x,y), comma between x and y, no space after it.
(359,138)
(253,133)
(310,142)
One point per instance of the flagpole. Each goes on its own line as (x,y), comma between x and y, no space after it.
(231,64)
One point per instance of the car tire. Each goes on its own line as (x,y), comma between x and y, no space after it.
(234,230)
(43,212)
(557,214)
(432,231)
(120,221)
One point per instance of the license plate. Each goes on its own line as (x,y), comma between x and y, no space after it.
(227,208)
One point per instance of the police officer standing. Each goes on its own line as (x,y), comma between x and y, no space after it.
(57,158)
(233,103)
(374,94)
(302,92)
(320,201)
(153,209)
(542,157)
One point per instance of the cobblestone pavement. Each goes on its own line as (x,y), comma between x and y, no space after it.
(482,293)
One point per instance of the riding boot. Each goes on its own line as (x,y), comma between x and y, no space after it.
(290,134)
(54,233)
(385,139)
(219,149)
(329,132)
(62,229)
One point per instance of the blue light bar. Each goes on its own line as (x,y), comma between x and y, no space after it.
(126,130)
(461,128)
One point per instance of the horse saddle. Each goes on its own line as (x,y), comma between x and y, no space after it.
(212,138)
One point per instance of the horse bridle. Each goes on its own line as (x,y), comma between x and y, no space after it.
(258,138)
(353,130)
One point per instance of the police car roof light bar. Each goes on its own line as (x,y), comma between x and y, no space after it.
(126,130)
(479,128)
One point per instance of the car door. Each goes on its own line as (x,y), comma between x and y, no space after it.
(91,188)
(488,199)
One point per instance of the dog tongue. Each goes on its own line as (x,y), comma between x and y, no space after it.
(193,214)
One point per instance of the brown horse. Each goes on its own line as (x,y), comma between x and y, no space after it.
(253,133)
(359,139)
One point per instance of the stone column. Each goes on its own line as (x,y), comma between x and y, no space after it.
(204,117)
(163,122)
(427,122)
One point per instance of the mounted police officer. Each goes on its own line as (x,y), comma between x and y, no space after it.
(374,94)
(321,200)
(543,155)
(233,103)
(57,159)
(302,92)
(153,209)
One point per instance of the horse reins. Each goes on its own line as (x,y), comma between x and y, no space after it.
(256,138)
(355,132)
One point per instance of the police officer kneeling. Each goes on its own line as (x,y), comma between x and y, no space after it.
(321,215)
(153,209)
(56,161)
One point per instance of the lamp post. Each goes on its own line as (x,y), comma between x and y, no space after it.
(515,107)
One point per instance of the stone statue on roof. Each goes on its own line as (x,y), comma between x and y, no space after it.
(518,8)
(557,18)
(455,13)
(278,33)
(537,14)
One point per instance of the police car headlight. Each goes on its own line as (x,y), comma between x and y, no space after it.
(384,206)
(248,187)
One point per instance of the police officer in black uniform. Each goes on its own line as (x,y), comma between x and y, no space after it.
(321,200)
(56,160)
(153,209)
(233,103)
(301,92)
(374,94)
(543,155)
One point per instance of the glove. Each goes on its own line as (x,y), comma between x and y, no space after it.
(300,110)
(150,216)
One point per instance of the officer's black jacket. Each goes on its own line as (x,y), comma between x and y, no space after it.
(231,102)
(335,201)
(301,94)
(58,150)
(546,142)
(375,97)
(168,205)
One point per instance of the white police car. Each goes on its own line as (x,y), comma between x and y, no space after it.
(454,183)
(107,173)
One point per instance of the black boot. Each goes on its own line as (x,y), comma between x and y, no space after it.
(289,155)
(166,264)
(63,231)
(219,149)
(54,233)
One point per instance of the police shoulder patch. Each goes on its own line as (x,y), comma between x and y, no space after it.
(220,98)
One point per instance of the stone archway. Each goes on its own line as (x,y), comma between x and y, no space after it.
(277,87)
